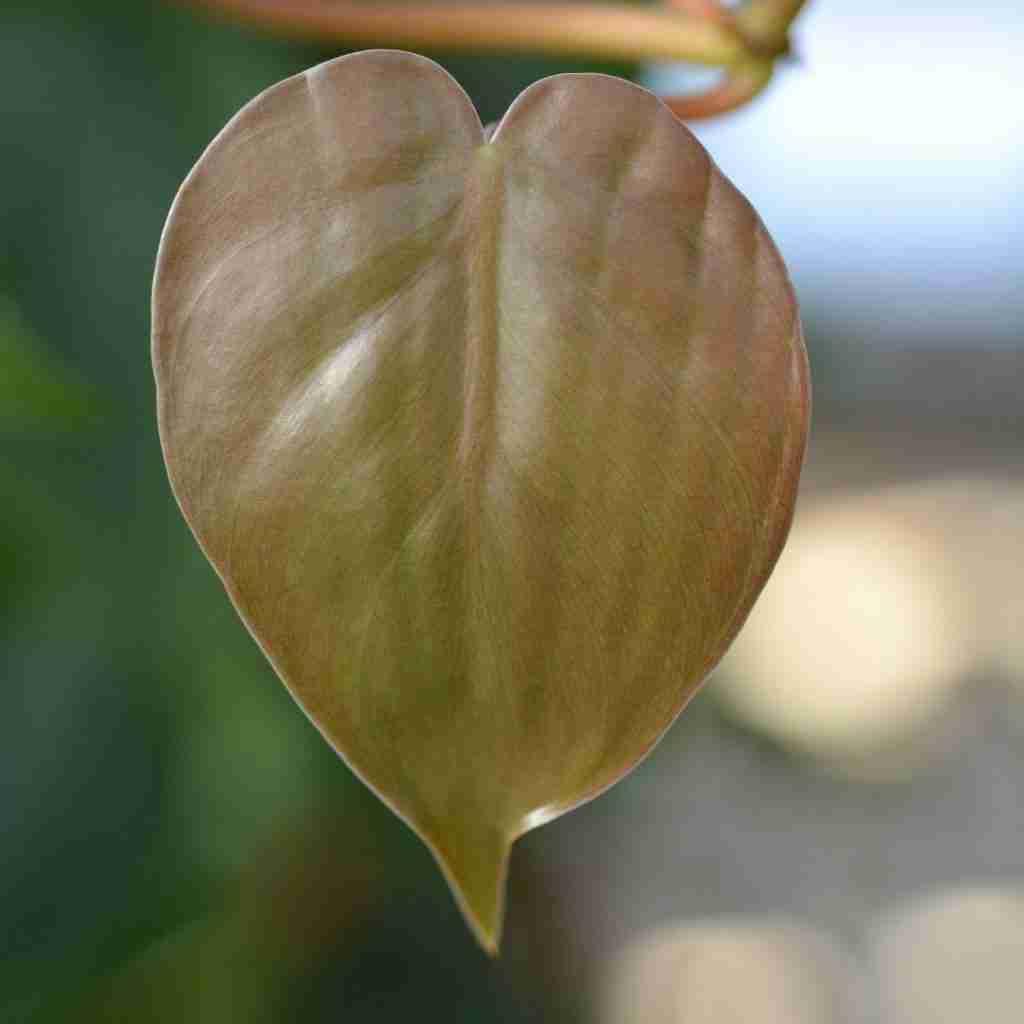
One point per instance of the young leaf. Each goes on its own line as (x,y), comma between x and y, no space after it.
(493,442)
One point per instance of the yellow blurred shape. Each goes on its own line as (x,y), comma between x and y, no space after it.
(862,634)
(997,551)
(746,972)
(953,957)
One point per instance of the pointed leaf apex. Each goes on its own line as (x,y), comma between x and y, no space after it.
(475,864)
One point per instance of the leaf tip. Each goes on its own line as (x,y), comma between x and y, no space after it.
(475,864)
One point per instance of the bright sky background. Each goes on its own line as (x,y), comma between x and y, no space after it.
(889,167)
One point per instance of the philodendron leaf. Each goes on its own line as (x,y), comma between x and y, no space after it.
(492,441)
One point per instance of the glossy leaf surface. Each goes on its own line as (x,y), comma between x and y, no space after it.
(493,442)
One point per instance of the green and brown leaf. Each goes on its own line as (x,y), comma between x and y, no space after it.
(493,442)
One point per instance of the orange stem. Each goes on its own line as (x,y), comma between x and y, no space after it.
(708,10)
(612,31)
(744,40)
(738,87)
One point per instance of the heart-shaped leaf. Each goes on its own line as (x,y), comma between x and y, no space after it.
(492,441)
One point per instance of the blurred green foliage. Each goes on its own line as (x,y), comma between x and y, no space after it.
(37,393)
(179,844)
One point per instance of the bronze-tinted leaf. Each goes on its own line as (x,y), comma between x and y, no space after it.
(493,443)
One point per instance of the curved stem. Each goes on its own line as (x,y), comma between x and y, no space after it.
(765,23)
(738,87)
(611,31)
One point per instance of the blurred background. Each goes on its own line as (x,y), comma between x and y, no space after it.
(834,829)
